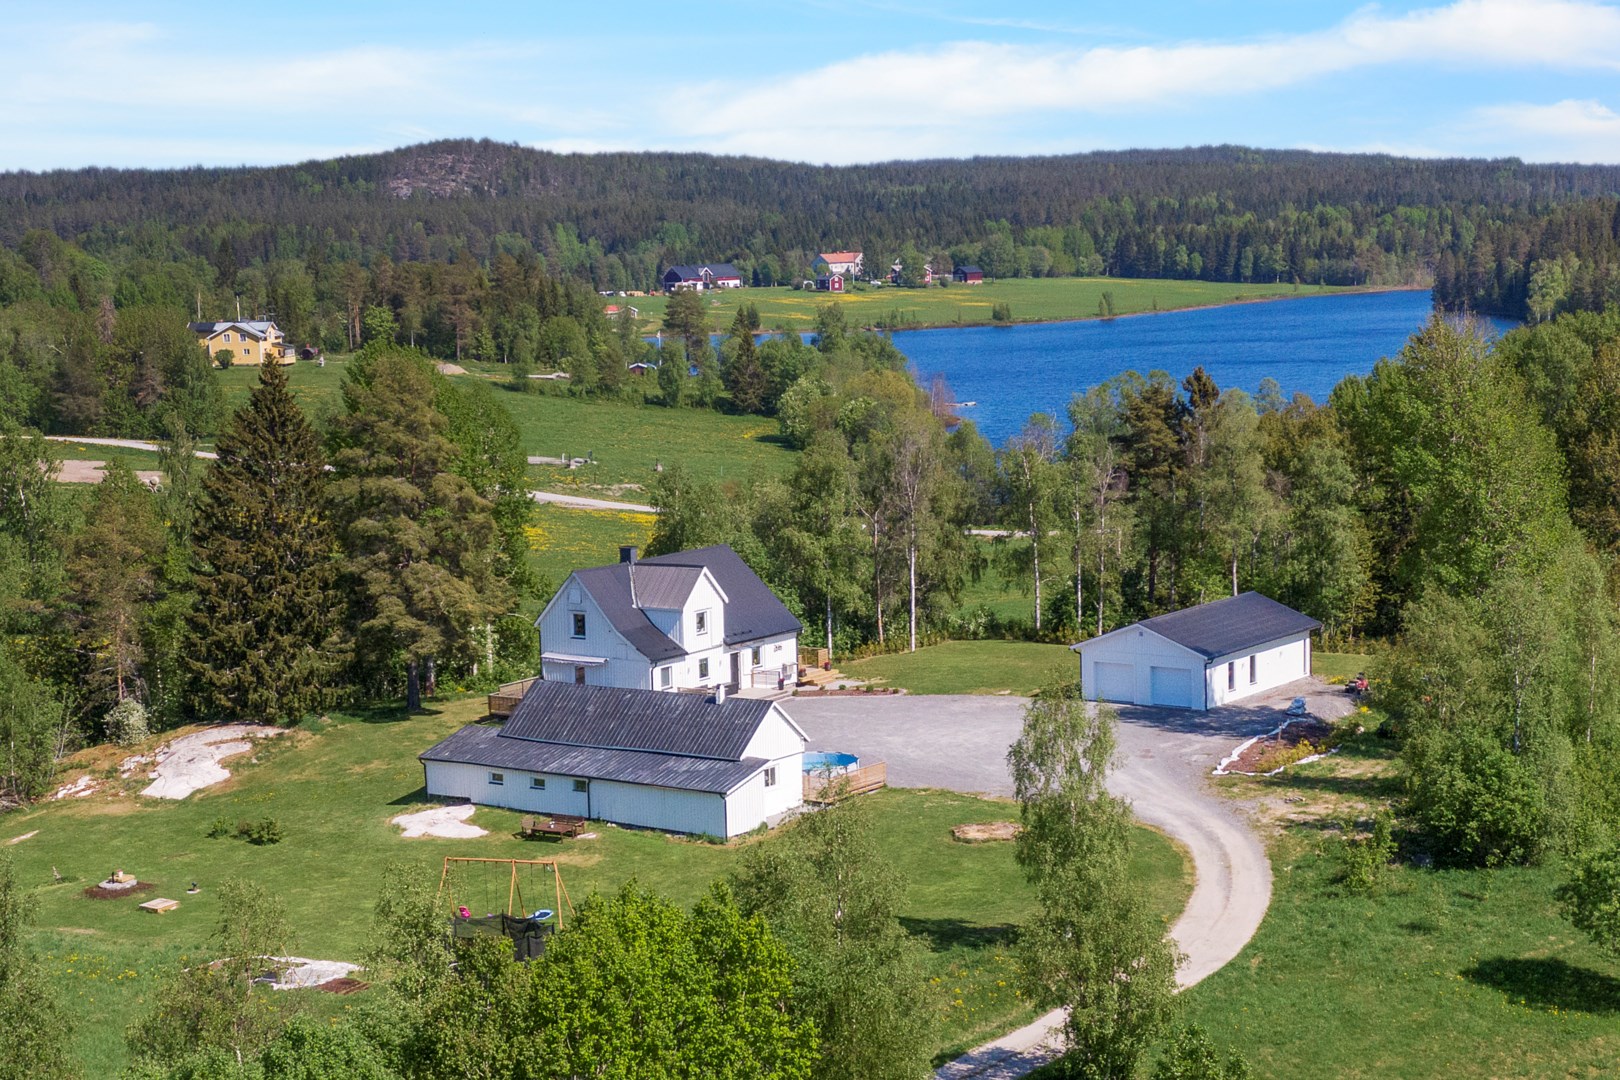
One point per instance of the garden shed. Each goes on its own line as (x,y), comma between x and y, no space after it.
(1199,657)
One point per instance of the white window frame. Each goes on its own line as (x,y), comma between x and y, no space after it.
(702,621)
(666,677)
(753,656)
(1254,669)
(703,668)
(770,776)
(227,339)
(497,779)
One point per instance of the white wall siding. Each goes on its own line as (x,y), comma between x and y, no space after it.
(753,804)
(658,808)
(776,737)
(1143,650)
(454,780)
(1276,663)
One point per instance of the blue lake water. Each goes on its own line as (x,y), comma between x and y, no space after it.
(1306,344)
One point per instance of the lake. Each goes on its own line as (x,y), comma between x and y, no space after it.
(1307,345)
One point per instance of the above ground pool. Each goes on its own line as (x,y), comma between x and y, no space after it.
(828,761)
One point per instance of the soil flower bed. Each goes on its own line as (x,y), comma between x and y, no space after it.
(1295,741)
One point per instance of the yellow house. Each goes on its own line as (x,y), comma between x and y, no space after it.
(250,341)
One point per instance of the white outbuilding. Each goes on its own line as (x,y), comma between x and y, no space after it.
(689,763)
(1199,657)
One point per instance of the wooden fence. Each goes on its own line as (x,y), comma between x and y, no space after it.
(819,787)
(504,700)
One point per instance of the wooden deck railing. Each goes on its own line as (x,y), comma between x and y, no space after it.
(821,788)
(504,700)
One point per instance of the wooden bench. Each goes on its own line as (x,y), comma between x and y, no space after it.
(558,825)
(160,906)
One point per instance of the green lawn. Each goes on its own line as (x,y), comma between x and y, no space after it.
(333,788)
(139,460)
(627,440)
(1338,667)
(970,667)
(1446,974)
(1031,299)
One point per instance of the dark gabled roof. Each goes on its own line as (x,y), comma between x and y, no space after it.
(1223,627)
(615,718)
(684,273)
(485,746)
(969,270)
(723,270)
(609,586)
(752,610)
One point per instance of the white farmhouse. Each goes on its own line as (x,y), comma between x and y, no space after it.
(1199,657)
(687,763)
(691,620)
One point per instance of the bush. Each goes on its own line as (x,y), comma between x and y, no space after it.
(225,358)
(264,831)
(220,829)
(126,722)
(1363,860)
(1001,312)
(1191,1056)
(1480,804)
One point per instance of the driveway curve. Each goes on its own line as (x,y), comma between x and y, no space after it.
(1165,759)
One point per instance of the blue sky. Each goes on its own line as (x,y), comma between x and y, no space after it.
(164,82)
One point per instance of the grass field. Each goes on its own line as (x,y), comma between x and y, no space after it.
(627,440)
(1338,667)
(970,667)
(1444,974)
(1031,299)
(333,787)
(562,540)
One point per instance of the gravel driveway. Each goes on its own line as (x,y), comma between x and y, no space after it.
(1165,759)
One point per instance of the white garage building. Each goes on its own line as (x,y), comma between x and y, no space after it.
(1199,657)
(690,763)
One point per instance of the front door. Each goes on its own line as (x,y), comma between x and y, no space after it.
(736,671)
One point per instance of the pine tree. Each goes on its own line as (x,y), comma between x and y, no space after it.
(263,625)
(421,544)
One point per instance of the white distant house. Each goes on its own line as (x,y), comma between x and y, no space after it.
(693,619)
(850,263)
(1199,657)
(689,763)
(709,276)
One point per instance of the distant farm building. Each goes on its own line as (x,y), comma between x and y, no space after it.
(968,275)
(839,262)
(712,276)
(641,367)
(830,283)
(1200,657)
(251,341)
(614,311)
(897,274)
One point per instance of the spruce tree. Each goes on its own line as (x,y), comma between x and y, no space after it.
(263,625)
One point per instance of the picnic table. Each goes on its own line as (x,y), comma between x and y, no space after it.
(558,825)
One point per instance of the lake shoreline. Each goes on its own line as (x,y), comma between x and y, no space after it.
(1345,290)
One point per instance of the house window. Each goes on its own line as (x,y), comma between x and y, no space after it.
(579,675)
(497,778)
(770,776)
(579,624)
(582,785)
(753,656)
(1254,670)
(227,339)
(703,622)
(1231,674)
(666,677)
(537,783)
(703,668)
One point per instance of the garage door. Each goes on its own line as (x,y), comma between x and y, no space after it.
(1174,686)
(1115,682)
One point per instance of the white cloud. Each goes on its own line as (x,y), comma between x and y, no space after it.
(1585,131)
(908,99)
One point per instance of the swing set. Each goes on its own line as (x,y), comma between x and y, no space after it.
(527,930)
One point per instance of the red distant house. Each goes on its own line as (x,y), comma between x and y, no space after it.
(830,283)
(969,275)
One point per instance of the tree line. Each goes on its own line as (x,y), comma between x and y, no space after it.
(293,572)
(617,221)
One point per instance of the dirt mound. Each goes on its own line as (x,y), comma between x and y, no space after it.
(344,985)
(985,832)
(1286,746)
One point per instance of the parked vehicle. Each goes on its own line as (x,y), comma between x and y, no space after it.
(1358,685)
